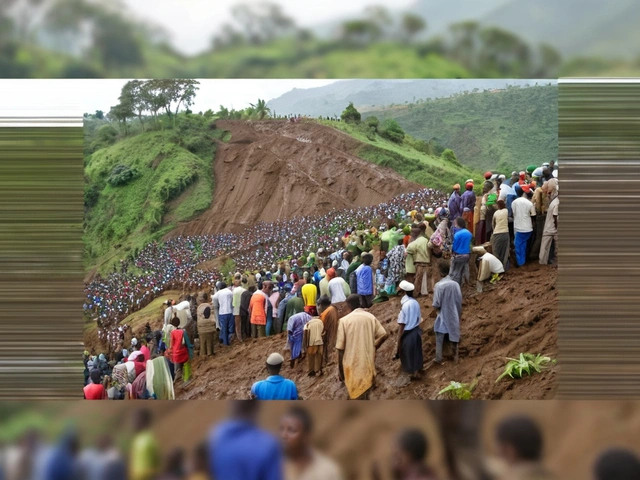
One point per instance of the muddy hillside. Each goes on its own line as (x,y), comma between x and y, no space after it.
(274,170)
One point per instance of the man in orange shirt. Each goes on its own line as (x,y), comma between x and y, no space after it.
(258,310)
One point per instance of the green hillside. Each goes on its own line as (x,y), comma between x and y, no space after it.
(411,158)
(504,130)
(138,188)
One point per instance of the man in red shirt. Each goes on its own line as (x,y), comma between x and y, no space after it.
(95,390)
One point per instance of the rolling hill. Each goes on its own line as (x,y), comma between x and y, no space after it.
(574,27)
(161,183)
(331,99)
(504,130)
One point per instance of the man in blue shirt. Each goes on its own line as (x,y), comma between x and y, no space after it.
(461,249)
(409,334)
(365,280)
(240,450)
(274,387)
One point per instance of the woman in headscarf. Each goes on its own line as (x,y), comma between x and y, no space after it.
(159,382)
(396,267)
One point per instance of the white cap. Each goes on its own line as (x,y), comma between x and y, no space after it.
(275,359)
(134,341)
(406,286)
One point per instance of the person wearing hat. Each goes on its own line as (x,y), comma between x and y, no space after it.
(489,266)
(468,202)
(418,254)
(409,334)
(447,302)
(360,334)
(274,387)
(454,204)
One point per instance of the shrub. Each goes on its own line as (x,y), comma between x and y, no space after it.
(91,194)
(459,391)
(450,157)
(121,175)
(526,364)
(373,123)
(392,130)
(350,114)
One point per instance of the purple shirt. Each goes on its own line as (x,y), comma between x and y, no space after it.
(455,206)
(468,201)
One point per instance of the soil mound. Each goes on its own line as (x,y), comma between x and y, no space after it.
(273,170)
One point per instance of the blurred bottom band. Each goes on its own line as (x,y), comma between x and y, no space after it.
(246,440)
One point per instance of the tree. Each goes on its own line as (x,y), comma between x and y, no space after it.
(260,109)
(135,94)
(350,114)
(412,25)
(99,114)
(392,130)
(360,32)
(449,157)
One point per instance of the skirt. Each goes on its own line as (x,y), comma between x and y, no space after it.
(411,351)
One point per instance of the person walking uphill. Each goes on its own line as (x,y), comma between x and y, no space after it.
(309,295)
(314,345)
(409,334)
(447,300)
(360,334)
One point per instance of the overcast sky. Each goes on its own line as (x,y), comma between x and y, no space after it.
(192,28)
(37,97)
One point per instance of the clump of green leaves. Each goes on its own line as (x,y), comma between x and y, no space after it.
(525,364)
(122,174)
(459,391)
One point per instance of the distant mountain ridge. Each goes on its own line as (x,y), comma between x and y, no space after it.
(332,99)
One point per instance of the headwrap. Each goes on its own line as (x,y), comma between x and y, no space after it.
(531,169)
(468,184)
(331,273)
(456,186)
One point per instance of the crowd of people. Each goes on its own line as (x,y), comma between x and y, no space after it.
(239,449)
(315,278)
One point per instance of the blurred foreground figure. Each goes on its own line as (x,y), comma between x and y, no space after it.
(22,460)
(240,450)
(174,466)
(145,453)
(102,463)
(60,464)
(617,464)
(200,470)
(409,455)
(303,462)
(520,443)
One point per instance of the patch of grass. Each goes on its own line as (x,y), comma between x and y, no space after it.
(430,171)
(169,164)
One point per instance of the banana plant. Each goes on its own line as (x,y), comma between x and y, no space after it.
(526,363)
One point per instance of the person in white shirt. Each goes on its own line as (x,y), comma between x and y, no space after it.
(338,290)
(183,312)
(225,314)
(489,266)
(523,211)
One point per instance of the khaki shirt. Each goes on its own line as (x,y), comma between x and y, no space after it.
(320,468)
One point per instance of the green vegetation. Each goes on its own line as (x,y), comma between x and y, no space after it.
(350,114)
(411,158)
(491,130)
(459,391)
(527,364)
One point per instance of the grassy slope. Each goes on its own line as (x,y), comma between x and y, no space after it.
(174,185)
(504,130)
(430,171)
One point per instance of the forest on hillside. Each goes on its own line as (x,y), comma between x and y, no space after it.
(501,130)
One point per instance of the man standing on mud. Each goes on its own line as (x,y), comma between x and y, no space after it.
(206,328)
(447,301)
(258,311)
(360,334)
(238,290)
(468,205)
(225,315)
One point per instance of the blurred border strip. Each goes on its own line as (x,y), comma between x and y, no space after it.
(41,214)
(599,273)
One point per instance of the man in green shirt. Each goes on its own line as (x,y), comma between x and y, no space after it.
(145,454)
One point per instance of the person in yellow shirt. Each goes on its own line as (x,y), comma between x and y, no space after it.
(145,454)
(309,295)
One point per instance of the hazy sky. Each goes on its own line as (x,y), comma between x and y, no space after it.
(192,28)
(37,97)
